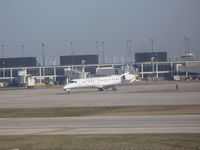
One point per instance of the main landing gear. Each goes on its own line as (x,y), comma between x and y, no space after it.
(113,88)
(68,91)
(100,89)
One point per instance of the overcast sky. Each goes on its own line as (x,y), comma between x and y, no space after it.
(58,22)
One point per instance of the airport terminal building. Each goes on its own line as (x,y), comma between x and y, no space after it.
(78,59)
(18,62)
(149,66)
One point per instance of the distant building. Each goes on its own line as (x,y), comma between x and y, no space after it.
(18,62)
(77,59)
(149,57)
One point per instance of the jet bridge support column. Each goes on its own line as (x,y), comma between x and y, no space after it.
(11,75)
(171,70)
(54,71)
(157,70)
(186,73)
(40,69)
(142,69)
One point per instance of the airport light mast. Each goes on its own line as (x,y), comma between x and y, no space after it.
(3,63)
(152,45)
(2,46)
(129,51)
(185,38)
(188,39)
(43,54)
(103,59)
(22,50)
(97,42)
(72,53)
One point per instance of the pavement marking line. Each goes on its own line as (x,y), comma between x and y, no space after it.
(130,130)
(14,131)
(52,131)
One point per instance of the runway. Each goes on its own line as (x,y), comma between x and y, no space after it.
(140,94)
(101,125)
(137,94)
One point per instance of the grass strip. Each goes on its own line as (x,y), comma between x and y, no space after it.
(99,111)
(103,142)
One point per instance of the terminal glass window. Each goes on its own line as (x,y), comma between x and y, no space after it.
(164,67)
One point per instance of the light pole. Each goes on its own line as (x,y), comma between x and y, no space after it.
(2,46)
(185,38)
(130,51)
(72,53)
(3,63)
(102,52)
(43,54)
(97,43)
(152,45)
(127,51)
(22,50)
(188,55)
(188,39)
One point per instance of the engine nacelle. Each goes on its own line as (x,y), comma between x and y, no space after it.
(123,77)
(128,78)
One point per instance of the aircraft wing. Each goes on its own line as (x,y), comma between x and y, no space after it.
(99,86)
(104,87)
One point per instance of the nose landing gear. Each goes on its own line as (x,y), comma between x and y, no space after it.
(68,91)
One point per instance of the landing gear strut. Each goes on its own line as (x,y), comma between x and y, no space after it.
(114,88)
(67,91)
(100,89)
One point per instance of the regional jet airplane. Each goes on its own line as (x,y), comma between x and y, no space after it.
(102,83)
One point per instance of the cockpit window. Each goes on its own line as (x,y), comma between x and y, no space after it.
(72,81)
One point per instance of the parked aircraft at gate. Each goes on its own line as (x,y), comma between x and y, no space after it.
(102,83)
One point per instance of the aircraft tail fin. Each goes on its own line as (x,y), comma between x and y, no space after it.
(134,68)
(131,69)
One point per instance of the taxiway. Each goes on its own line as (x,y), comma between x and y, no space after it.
(139,94)
(101,125)
(133,95)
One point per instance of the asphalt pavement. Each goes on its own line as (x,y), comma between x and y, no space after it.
(101,125)
(138,94)
(159,93)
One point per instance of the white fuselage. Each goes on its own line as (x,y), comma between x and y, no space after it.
(101,82)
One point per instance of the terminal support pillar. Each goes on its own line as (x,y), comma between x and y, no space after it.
(25,77)
(171,70)
(40,74)
(11,75)
(152,66)
(43,71)
(54,71)
(3,72)
(186,73)
(157,70)
(142,68)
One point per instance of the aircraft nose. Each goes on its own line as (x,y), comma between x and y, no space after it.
(64,88)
